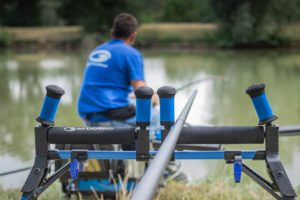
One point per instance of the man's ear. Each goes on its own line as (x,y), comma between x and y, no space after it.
(132,38)
(112,33)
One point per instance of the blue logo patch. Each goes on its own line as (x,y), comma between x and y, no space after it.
(98,57)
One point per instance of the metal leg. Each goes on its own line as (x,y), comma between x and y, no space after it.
(260,180)
(36,176)
(35,184)
(53,178)
(274,165)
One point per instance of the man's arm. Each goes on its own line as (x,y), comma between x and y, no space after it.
(136,84)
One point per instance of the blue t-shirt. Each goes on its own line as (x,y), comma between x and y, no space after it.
(109,70)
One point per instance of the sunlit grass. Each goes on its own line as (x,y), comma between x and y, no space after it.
(217,187)
(148,34)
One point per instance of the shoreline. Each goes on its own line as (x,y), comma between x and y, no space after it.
(151,36)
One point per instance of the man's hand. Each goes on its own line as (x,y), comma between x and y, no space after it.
(136,84)
(155,99)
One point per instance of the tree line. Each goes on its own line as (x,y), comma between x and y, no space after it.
(240,22)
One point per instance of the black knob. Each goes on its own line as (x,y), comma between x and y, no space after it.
(54,91)
(256,90)
(143,92)
(166,92)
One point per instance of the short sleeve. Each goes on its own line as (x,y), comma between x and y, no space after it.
(135,67)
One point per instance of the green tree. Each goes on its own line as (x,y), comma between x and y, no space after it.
(94,15)
(252,22)
(187,11)
(20,13)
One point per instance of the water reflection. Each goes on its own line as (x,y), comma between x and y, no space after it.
(24,76)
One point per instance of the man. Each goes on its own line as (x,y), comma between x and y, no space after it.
(112,71)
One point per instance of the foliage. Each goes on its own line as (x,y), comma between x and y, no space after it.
(251,22)
(187,11)
(241,23)
(20,13)
(94,15)
(5,37)
(167,33)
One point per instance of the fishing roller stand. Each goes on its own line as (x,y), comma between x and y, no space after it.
(279,186)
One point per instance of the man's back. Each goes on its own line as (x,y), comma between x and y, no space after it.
(109,70)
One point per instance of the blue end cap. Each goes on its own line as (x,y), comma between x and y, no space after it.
(261,103)
(74,169)
(166,99)
(50,105)
(24,198)
(237,166)
(167,113)
(262,107)
(49,109)
(143,110)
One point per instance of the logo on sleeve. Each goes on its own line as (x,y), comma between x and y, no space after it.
(98,57)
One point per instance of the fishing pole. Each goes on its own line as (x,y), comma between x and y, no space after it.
(15,171)
(289,130)
(208,78)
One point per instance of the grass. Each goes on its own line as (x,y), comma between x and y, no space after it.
(217,187)
(159,34)
(175,33)
(290,33)
(41,34)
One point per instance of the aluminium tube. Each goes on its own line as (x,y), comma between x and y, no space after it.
(147,185)
(289,130)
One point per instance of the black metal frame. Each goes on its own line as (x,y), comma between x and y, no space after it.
(38,181)
(279,186)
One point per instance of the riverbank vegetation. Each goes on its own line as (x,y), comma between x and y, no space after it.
(173,35)
(219,23)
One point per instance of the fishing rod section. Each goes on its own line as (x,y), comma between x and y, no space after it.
(147,185)
(174,135)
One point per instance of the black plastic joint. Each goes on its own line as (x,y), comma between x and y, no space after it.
(45,123)
(143,125)
(142,145)
(167,124)
(230,155)
(256,90)
(79,154)
(143,92)
(54,91)
(166,92)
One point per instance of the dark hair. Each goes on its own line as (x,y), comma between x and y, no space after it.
(124,25)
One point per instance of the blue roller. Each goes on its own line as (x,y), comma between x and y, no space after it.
(49,108)
(143,110)
(166,99)
(143,105)
(261,103)
(182,155)
(50,105)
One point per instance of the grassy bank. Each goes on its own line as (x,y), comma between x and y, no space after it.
(217,187)
(149,35)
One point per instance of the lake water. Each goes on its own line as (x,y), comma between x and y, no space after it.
(23,77)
